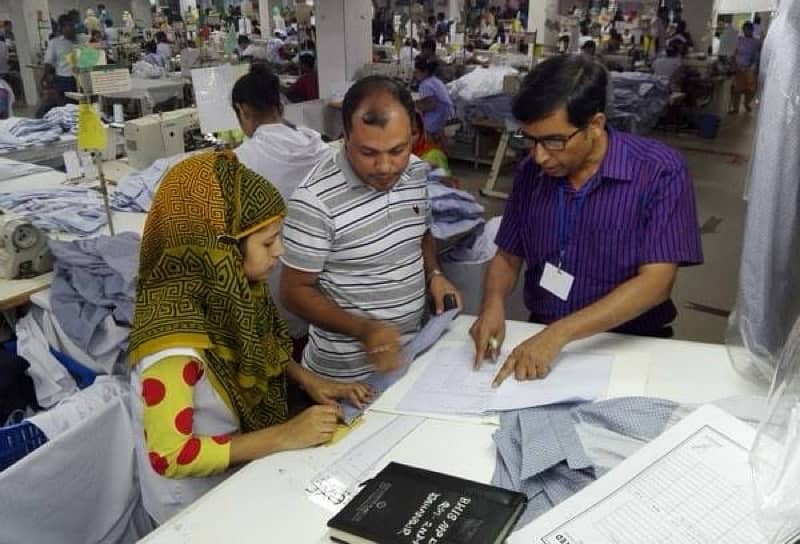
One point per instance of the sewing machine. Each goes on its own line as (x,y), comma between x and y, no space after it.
(161,135)
(24,252)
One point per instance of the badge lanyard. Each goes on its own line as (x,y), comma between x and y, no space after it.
(566,224)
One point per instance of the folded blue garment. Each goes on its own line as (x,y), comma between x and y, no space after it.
(74,210)
(135,191)
(540,453)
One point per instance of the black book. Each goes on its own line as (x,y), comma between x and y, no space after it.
(410,505)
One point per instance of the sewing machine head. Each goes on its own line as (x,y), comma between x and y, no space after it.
(161,135)
(24,251)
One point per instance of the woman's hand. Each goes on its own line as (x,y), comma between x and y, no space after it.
(329,392)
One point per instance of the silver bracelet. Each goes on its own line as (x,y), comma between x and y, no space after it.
(435,272)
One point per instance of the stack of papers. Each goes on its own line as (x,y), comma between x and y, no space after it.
(450,385)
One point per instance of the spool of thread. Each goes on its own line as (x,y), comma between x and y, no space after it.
(119,115)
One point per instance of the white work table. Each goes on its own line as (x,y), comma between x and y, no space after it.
(17,292)
(265,501)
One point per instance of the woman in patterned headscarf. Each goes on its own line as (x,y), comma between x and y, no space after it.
(210,354)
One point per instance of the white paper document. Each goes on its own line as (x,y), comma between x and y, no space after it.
(450,385)
(690,485)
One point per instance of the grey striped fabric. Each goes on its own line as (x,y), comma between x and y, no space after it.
(366,246)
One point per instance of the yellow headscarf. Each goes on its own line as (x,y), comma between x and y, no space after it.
(192,290)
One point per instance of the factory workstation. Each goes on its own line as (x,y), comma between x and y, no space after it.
(400,271)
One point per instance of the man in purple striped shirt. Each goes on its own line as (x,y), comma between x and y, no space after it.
(601,219)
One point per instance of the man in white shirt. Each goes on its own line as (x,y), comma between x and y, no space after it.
(246,48)
(408,53)
(163,47)
(58,78)
(727,42)
(112,34)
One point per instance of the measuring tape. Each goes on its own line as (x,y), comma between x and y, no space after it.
(336,484)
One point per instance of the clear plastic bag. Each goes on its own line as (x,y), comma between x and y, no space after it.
(775,455)
(768,301)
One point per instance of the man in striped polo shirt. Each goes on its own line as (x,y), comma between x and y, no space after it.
(357,240)
(602,220)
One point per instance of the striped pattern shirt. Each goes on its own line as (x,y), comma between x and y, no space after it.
(366,246)
(639,208)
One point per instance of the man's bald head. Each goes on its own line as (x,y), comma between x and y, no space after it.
(374,100)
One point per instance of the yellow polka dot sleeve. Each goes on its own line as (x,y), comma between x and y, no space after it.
(174,450)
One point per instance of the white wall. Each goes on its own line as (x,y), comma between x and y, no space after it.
(5,10)
(744,6)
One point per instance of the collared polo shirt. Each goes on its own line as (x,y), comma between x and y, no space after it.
(366,246)
(56,55)
(639,208)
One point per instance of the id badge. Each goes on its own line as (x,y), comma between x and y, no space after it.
(558,282)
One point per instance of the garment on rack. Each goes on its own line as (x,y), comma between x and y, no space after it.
(73,210)
(94,286)
(551,452)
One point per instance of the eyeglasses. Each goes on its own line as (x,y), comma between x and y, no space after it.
(550,143)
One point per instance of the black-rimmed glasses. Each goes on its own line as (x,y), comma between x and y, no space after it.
(550,143)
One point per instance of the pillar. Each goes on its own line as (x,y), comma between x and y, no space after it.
(539,12)
(698,16)
(24,16)
(265,18)
(344,42)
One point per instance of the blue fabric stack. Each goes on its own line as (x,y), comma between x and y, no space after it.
(74,210)
(543,453)
(135,191)
(18,132)
(65,116)
(639,99)
(94,287)
(454,212)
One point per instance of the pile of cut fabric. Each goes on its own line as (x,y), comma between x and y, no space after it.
(479,94)
(18,132)
(495,108)
(66,116)
(82,323)
(93,292)
(135,191)
(552,452)
(639,100)
(455,212)
(75,210)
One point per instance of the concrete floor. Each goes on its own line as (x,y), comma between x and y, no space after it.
(704,294)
